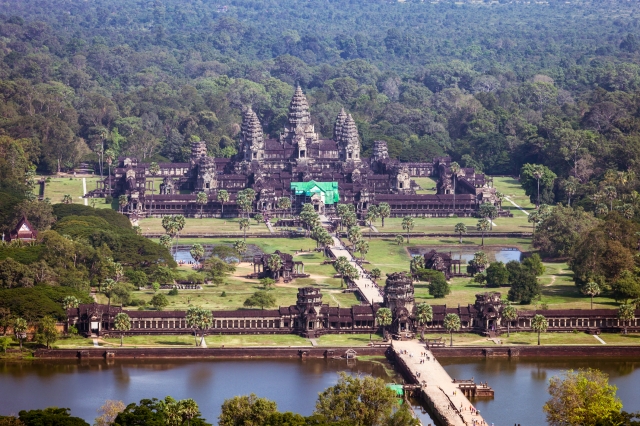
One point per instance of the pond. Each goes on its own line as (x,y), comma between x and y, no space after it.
(181,253)
(495,254)
(84,386)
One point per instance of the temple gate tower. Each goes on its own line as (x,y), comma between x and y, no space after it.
(252,137)
(309,304)
(399,298)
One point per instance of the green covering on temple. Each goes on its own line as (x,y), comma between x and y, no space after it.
(328,190)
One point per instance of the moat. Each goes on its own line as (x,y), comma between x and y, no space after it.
(520,385)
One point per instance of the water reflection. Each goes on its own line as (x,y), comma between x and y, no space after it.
(521,385)
(84,385)
(502,254)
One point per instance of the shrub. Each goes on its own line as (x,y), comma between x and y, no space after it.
(173,292)
(223,294)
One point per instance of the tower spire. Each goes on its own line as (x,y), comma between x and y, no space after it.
(252,136)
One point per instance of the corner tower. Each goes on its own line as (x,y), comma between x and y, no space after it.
(252,136)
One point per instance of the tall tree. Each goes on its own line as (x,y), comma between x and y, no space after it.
(455,169)
(460,229)
(384,318)
(539,324)
(222,197)
(20,327)
(407,224)
(47,332)
(591,289)
(483,226)
(202,199)
(122,323)
(509,313)
(626,313)
(197,252)
(244,224)
(451,323)
(200,320)
(384,210)
(424,314)
(582,397)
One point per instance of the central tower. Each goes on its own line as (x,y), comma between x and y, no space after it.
(299,131)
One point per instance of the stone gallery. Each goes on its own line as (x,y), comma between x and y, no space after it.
(299,165)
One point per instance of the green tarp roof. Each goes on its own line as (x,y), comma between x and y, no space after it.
(328,190)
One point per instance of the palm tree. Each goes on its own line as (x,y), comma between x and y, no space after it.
(399,239)
(199,319)
(70,302)
(258,217)
(626,210)
(67,199)
(539,324)
(362,247)
(371,216)
(188,409)
(122,323)
(570,187)
(107,288)
(488,211)
(202,198)
(275,264)
(284,203)
(626,313)
(354,234)
(591,289)
(460,228)
(375,273)
(611,194)
(154,169)
(534,220)
(602,209)
(166,241)
(424,314)
(20,327)
(509,313)
(109,156)
(407,224)
(451,323)
(122,202)
(222,197)
(483,226)
(240,247)
(384,317)
(384,210)
(180,222)
(244,225)
(197,252)
(455,169)
(538,172)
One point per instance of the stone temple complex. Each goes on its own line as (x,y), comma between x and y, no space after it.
(277,168)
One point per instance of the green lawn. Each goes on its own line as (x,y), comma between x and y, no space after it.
(153,225)
(57,187)
(237,288)
(428,185)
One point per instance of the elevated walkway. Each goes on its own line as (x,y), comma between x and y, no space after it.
(447,402)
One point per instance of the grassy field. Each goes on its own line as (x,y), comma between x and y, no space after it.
(428,185)
(508,186)
(205,226)
(342,340)
(237,288)
(57,187)
(529,338)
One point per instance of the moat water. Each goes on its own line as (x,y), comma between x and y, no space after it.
(520,385)
(502,254)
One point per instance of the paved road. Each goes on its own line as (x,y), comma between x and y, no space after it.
(368,289)
(439,385)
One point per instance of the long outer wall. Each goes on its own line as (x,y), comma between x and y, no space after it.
(193,352)
(315,352)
